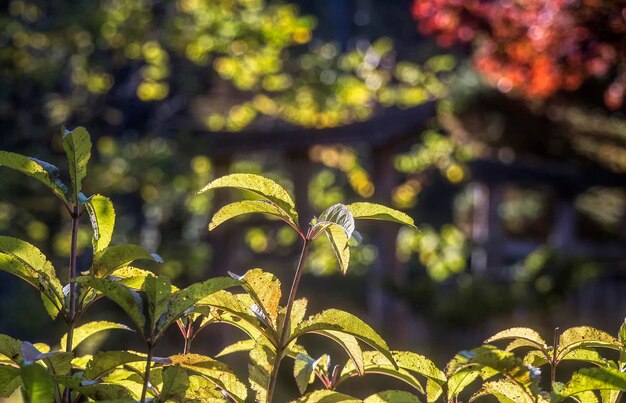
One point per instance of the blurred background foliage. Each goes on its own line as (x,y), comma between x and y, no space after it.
(510,86)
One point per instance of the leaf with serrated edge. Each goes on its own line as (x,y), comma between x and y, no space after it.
(102,217)
(77,145)
(377,363)
(339,242)
(337,214)
(89,329)
(524,333)
(264,288)
(259,185)
(304,371)
(248,207)
(389,396)
(99,392)
(334,319)
(594,379)
(104,361)
(116,257)
(372,211)
(123,296)
(214,370)
(187,297)
(351,346)
(505,391)
(158,291)
(175,384)
(39,170)
(262,358)
(585,336)
(327,396)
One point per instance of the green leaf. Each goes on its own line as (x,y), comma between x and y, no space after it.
(158,291)
(334,319)
(418,364)
(243,345)
(298,310)
(11,348)
(262,358)
(585,337)
(304,371)
(124,297)
(372,211)
(202,390)
(264,288)
(9,380)
(337,214)
(461,379)
(259,185)
(77,145)
(593,379)
(351,346)
(531,337)
(175,384)
(105,361)
(505,391)
(98,392)
(24,260)
(117,256)
(215,371)
(339,242)
(102,217)
(37,384)
(327,396)
(186,298)
(377,363)
(82,332)
(392,396)
(248,207)
(45,173)
(585,354)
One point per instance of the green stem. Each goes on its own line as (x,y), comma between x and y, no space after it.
(146,377)
(71,316)
(553,362)
(286,322)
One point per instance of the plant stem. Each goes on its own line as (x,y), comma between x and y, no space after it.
(553,363)
(71,316)
(287,320)
(188,338)
(146,378)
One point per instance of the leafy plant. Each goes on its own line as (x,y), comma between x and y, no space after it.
(275,327)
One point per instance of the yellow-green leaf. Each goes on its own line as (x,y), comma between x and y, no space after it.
(105,361)
(37,384)
(264,288)
(9,380)
(594,379)
(327,396)
(528,335)
(98,392)
(262,358)
(243,345)
(82,332)
(351,346)
(304,371)
(158,291)
(334,319)
(584,337)
(77,145)
(372,211)
(248,207)
(337,214)
(124,297)
(175,384)
(114,257)
(505,391)
(42,171)
(339,242)
(259,185)
(392,396)
(102,217)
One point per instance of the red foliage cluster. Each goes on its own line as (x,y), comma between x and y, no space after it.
(536,47)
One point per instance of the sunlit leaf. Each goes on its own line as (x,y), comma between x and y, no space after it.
(11,348)
(77,145)
(42,171)
(117,256)
(105,361)
(392,396)
(102,217)
(37,384)
(304,371)
(89,329)
(339,242)
(350,344)
(215,371)
(531,337)
(337,214)
(187,297)
(505,391)
(593,379)
(127,299)
(264,288)
(158,291)
(248,207)
(262,358)
(98,392)
(260,185)
(175,384)
(9,380)
(334,319)
(327,396)
(243,345)
(585,337)
(372,211)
